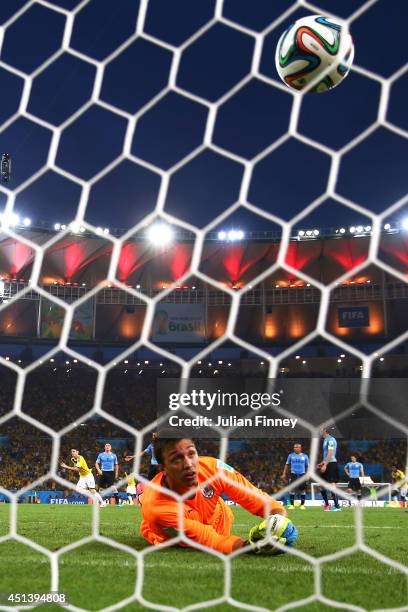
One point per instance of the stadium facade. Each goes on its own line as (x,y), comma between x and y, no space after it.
(367,306)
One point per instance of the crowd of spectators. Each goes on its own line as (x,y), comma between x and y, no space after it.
(58,396)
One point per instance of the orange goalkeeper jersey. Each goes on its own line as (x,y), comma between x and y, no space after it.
(207,519)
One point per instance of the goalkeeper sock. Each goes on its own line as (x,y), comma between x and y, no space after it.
(292,499)
(324,495)
(302,499)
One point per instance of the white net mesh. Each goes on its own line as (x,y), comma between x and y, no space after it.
(377,221)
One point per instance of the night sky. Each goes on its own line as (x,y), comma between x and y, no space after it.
(284,182)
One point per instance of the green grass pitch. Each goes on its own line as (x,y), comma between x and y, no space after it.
(95,575)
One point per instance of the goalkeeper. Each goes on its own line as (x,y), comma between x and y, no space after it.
(206,518)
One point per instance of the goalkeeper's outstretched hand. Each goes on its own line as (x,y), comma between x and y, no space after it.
(263,537)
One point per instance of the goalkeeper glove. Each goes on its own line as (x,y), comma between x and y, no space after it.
(281,529)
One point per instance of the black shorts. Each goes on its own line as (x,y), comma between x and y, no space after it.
(354,484)
(107,480)
(153,470)
(332,472)
(301,486)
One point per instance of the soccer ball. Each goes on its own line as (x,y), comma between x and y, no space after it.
(276,528)
(310,46)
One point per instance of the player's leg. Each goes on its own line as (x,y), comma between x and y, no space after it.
(292,494)
(359,490)
(109,483)
(89,483)
(332,477)
(97,497)
(302,489)
(323,493)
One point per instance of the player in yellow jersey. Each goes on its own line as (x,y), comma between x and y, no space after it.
(86,480)
(399,484)
(131,487)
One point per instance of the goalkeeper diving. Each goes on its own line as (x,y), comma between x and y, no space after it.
(207,519)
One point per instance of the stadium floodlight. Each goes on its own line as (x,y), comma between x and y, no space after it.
(359,229)
(220,362)
(99,230)
(126,361)
(297,357)
(387,226)
(229,365)
(222,235)
(160,234)
(26,221)
(309,232)
(57,226)
(405,224)
(304,361)
(367,228)
(352,229)
(14,219)
(301,233)
(240,235)
(63,227)
(339,361)
(342,230)
(82,229)
(74,227)
(137,286)
(232,235)
(316,232)
(381,358)
(106,230)
(342,356)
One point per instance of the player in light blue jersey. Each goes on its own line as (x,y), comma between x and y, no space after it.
(329,469)
(297,464)
(107,467)
(354,470)
(149,450)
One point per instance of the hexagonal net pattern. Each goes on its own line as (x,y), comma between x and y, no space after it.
(127,123)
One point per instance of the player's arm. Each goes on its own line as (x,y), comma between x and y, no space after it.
(116,468)
(286,469)
(325,462)
(362,474)
(146,451)
(346,470)
(68,467)
(97,465)
(167,517)
(241,491)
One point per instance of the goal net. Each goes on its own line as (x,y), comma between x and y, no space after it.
(351,172)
